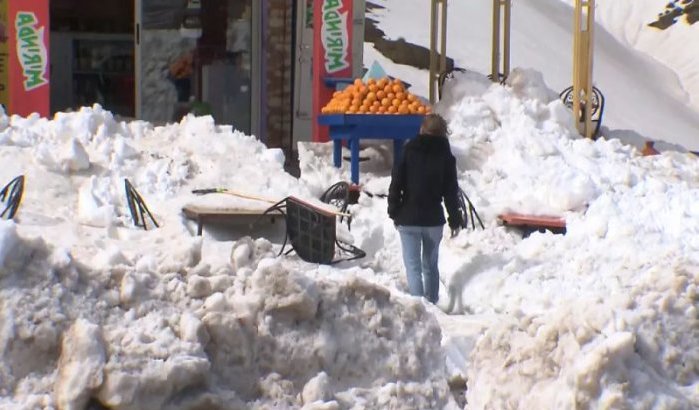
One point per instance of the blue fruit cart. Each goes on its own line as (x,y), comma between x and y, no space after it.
(352,128)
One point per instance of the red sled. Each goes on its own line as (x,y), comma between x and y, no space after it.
(534,223)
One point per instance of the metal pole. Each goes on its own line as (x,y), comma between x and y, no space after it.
(583,25)
(506,41)
(433,50)
(588,69)
(495,57)
(443,57)
(577,41)
(501,39)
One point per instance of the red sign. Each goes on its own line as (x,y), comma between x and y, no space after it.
(28,37)
(4,56)
(332,53)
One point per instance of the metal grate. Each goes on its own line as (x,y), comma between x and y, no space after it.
(311,232)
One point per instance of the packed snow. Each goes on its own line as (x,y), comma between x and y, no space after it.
(627,55)
(95,311)
(94,308)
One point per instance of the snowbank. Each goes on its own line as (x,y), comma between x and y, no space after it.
(93,309)
(134,338)
(605,316)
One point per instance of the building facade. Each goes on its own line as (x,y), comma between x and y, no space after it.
(245,62)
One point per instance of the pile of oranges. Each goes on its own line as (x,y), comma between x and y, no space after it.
(383,96)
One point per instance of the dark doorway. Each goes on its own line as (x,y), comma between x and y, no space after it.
(92,55)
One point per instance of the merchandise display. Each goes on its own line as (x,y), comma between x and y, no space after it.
(382,96)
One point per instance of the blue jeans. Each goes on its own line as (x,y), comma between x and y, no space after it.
(420,255)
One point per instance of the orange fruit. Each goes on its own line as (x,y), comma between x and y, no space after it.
(382,96)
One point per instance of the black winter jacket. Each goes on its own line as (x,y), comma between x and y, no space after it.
(424,175)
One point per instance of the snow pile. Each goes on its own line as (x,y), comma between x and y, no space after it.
(79,161)
(93,309)
(190,335)
(647,76)
(605,316)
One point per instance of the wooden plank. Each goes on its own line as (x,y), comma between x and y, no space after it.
(217,215)
(327,211)
(194,211)
(543,221)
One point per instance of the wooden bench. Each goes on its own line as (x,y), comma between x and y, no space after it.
(531,223)
(203,215)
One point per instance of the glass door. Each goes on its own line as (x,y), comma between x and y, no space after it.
(195,56)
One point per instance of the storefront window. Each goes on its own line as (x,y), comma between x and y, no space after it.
(92,56)
(195,57)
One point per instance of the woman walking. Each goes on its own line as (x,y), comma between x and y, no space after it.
(421,179)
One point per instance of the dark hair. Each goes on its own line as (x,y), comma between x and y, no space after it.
(434,124)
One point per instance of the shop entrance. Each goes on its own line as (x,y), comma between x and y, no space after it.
(92,55)
(245,62)
(197,56)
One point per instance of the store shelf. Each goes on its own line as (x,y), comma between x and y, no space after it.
(103,73)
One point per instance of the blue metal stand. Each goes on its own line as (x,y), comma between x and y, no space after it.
(352,128)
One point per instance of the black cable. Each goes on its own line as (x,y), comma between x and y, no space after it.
(278,207)
(349,248)
(137,207)
(371,195)
(13,192)
(467,209)
(338,195)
